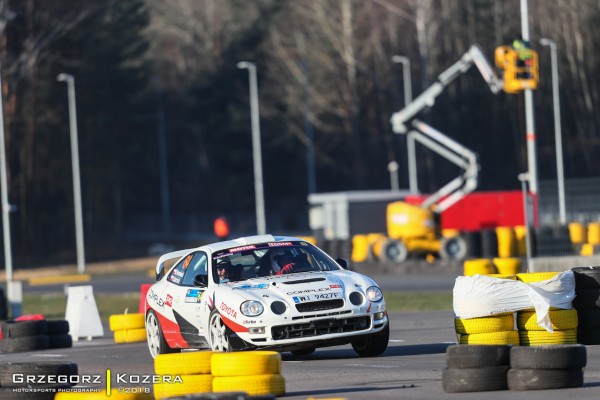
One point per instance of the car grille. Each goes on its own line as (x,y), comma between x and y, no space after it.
(320,305)
(320,327)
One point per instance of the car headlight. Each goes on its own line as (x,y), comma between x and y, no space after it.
(252,308)
(374,294)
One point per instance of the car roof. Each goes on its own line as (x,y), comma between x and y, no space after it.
(246,241)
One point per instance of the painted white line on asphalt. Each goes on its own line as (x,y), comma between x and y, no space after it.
(49,355)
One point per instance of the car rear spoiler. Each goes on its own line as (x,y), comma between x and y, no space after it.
(160,265)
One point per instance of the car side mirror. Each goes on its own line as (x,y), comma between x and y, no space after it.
(342,262)
(201,280)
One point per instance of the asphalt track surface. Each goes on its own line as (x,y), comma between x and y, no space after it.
(409,369)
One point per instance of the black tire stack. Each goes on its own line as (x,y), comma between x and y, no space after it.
(34,335)
(50,372)
(546,367)
(476,368)
(587,304)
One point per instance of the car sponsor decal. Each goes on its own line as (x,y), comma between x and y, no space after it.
(154,297)
(336,286)
(174,279)
(187,261)
(307,291)
(169,300)
(193,296)
(178,273)
(317,297)
(242,248)
(225,309)
(280,244)
(257,286)
(369,309)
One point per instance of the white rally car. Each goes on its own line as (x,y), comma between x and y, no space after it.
(280,293)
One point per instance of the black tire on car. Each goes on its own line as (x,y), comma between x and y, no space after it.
(374,344)
(548,357)
(15,329)
(458,380)
(477,356)
(7,370)
(541,379)
(153,328)
(24,343)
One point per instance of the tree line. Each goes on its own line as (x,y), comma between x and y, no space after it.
(160,101)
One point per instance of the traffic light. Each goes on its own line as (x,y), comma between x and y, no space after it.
(521,68)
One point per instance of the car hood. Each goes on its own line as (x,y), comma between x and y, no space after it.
(303,286)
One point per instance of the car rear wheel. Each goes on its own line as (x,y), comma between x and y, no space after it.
(218,333)
(373,344)
(156,341)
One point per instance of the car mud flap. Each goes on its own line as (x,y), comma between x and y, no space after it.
(189,332)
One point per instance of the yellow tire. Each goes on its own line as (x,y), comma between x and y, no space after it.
(190,384)
(507,266)
(507,244)
(243,363)
(501,276)
(130,336)
(561,320)
(479,266)
(506,337)
(255,385)
(496,323)
(593,233)
(541,338)
(119,322)
(520,235)
(577,233)
(101,395)
(186,363)
(536,276)
(360,248)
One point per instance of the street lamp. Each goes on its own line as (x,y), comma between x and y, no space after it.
(256,154)
(557,131)
(393,169)
(412,158)
(75,165)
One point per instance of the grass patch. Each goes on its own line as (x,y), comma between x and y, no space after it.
(54,305)
(418,301)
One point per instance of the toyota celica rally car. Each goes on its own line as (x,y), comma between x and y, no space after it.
(280,293)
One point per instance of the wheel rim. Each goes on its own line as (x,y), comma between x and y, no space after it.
(218,334)
(153,335)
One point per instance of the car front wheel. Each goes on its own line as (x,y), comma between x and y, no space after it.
(218,333)
(156,341)
(374,344)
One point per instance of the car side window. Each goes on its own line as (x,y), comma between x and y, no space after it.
(198,266)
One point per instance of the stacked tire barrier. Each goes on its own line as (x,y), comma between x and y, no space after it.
(494,330)
(256,373)
(476,368)
(587,304)
(564,324)
(546,367)
(34,335)
(60,372)
(481,266)
(128,328)
(193,368)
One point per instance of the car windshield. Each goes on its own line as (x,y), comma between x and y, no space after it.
(267,259)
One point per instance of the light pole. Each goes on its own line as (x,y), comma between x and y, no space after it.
(412,159)
(261,227)
(524,178)
(560,177)
(75,166)
(393,169)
